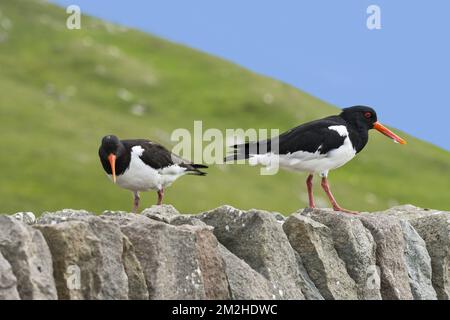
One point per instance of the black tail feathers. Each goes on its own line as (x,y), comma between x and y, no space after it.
(244,151)
(194,169)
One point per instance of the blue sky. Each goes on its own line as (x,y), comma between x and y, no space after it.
(322,47)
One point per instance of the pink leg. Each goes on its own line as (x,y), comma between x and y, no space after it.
(309,185)
(160,197)
(136,201)
(335,205)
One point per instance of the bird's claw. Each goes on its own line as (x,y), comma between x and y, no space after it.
(345,210)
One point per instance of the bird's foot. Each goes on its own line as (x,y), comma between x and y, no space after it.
(337,208)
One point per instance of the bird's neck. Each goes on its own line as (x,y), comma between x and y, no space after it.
(359,136)
(123,159)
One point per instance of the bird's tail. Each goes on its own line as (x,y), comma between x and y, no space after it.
(246,150)
(239,153)
(194,169)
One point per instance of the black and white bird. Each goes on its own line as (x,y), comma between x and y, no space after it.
(142,165)
(317,147)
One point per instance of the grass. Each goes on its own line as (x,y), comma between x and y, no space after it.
(62,90)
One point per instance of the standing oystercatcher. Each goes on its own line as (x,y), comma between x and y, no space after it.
(317,146)
(142,165)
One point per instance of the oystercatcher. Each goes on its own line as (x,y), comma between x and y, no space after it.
(142,165)
(317,147)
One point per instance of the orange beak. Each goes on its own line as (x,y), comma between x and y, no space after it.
(112,162)
(378,126)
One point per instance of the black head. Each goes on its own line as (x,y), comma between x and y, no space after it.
(110,149)
(365,118)
(110,144)
(360,116)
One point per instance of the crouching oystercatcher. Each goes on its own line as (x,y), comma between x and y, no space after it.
(317,147)
(142,165)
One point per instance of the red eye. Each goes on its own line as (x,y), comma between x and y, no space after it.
(367,115)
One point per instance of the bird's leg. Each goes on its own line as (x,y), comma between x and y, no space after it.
(309,185)
(160,196)
(136,201)
(336,207)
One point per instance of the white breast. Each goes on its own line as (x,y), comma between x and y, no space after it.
(141,177)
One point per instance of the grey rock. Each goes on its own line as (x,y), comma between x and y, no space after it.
(401,253)
(244,282)
(63,215)
(8,281)
(433,227)
(258,238)
(409,212)
(309,289)
(29,256)
(418,264)
(25,217)
(354,245)
(279,217)
(162,213)
(87,256)
(137,283)
(137,286)
(212,266)
(388,235)
(114,213)
(120,217)
(187,219)
(314,243)
(179,262)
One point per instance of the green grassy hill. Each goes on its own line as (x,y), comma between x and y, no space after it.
(62,90)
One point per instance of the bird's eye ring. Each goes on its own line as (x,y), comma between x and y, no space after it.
(368,115)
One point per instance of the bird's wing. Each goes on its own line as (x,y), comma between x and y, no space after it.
(311,137)
(158,157)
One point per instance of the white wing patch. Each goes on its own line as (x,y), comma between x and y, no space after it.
(342,130)
(137,151)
